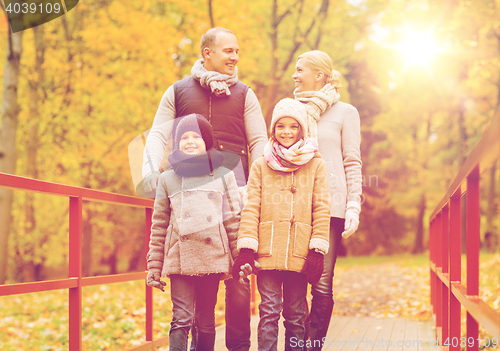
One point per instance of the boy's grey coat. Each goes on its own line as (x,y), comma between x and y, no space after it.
(194,230)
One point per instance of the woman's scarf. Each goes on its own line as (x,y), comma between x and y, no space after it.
(219,83)
(282,159)
(187,165)
(316,103)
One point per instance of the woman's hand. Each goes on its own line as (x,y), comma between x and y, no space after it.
(351,219)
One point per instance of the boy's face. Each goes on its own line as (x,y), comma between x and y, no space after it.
(192,143)
(287,131)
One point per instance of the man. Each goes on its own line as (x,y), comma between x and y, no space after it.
(213,90)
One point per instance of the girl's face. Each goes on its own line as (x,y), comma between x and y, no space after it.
(306,79)
(287,131)
(192,143)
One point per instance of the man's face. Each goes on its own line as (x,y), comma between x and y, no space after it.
(225,57)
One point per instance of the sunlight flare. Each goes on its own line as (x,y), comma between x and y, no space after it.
(418,48)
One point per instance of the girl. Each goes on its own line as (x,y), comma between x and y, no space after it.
(284,225)
(194,230)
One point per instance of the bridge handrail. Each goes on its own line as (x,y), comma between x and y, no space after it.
(447,292)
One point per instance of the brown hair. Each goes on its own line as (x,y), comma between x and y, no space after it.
(209,39)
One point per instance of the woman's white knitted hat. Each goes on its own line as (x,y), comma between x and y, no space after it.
(290,108)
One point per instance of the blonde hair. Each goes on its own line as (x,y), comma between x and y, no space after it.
(320,61)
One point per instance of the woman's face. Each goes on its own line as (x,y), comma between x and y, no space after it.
(287,131)
(305,78)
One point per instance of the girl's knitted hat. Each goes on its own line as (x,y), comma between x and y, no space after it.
(195,123)
(290,108)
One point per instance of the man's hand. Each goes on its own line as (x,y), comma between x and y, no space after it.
(153,279)
(246,271)
(151,182)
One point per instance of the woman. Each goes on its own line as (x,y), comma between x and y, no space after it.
(335,125)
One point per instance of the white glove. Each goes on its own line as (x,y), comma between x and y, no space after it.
(151,182)
(351,219)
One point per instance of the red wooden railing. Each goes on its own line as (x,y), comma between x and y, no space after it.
(447,292)
(75,281)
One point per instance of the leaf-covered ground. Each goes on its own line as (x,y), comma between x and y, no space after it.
(113,315)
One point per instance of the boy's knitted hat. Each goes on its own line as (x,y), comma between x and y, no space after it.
(290,108)
(195,123)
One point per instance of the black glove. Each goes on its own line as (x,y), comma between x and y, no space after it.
(245,256)
(314,266)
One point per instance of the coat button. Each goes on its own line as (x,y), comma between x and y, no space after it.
(185,215)
(208,240)
(187,193)
(209,218)
(210,195)
(183,238)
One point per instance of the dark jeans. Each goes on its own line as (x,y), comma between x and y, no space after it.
(186,292)
(237,316)
(322,292)
(281,291)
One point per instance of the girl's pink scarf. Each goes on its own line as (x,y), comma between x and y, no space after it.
(280,158)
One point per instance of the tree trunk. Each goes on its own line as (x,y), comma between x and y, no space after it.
(419,237)
(31,268)
(10,111)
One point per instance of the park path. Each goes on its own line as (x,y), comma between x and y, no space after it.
(374,303)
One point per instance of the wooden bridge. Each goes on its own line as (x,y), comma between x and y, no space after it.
(448,295)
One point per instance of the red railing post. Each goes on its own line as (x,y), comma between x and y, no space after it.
(444,260)
(473,241)
(438,284)
(75,272)
(455,259)
(149,290)
(432,237)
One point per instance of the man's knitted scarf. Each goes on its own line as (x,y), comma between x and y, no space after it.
(280,158)
(219,83)
(316,103)
(199,165)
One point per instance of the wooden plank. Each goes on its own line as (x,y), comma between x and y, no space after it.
(427,334)
(371,335)
(411,341)
(396,341)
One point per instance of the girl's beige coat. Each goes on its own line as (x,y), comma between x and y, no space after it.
(287,214)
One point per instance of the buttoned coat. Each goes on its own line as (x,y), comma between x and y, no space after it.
(287,214)
(195,223)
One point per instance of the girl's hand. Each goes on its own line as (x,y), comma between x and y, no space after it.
(313,266)
(245,256)
(153,279)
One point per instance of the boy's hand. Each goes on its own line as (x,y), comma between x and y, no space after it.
(153,279)
(246,271)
